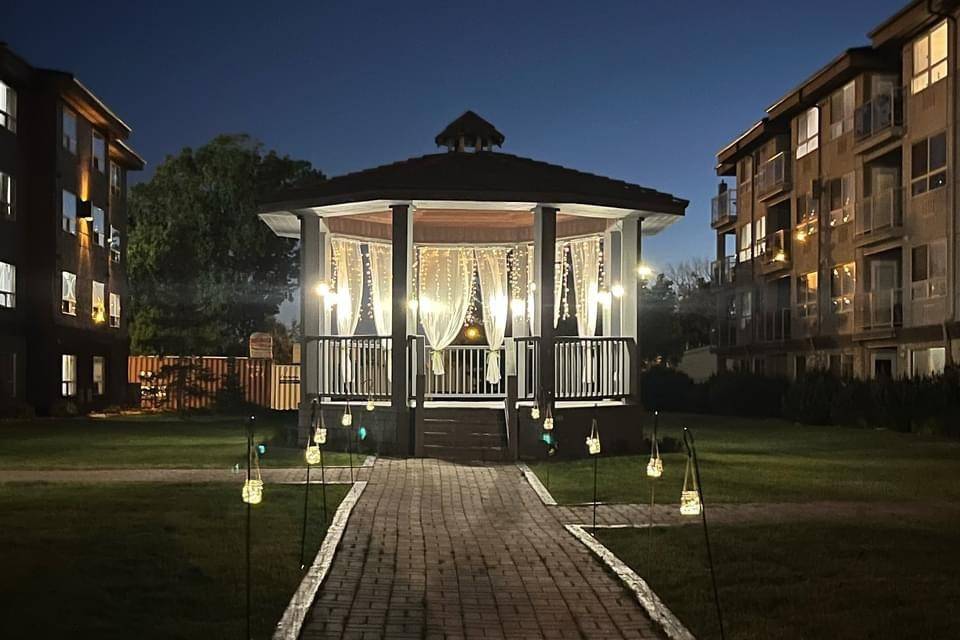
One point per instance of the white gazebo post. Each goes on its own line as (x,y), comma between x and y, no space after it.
(404,320)
(544,265)
(612,246)
(630,260)
(314,317)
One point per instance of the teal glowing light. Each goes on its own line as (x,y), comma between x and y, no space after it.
(362,433)
(261,449)
(547,438)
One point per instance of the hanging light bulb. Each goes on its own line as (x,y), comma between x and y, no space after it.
(412,304)
(252,492)
(535,412)
(644,271)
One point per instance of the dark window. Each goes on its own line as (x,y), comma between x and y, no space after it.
(919,271)
(928,162)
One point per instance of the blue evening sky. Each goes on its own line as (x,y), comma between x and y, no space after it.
(646,91)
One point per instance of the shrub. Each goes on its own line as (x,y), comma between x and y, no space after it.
(738,393)
(811,397)
(17,410)
(64,408)
(663,388)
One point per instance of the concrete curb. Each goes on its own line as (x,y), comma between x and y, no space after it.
(296,612)
(658,612)
(537,486)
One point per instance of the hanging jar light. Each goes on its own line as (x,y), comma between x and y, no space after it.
(347,418)
(593,440)
(370,405)
(655,466)
(320,435)
(252,492)
(535,412)
(690,496)
(548,420)
(312,454)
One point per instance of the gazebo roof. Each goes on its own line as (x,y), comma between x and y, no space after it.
(480,177)
(469,129)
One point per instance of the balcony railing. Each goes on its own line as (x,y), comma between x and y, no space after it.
(879,114)
(776,249)
(773,326)
(725,334)
(773,176)
(723,208)
(882,309)
(880,212)
(723,271)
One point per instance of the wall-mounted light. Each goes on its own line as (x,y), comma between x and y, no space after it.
(644,271)
(617,291)
(322,289)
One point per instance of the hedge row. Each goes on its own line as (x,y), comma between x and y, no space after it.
(929,405)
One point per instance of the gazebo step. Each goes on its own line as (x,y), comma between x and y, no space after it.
(464,434)
(466,454)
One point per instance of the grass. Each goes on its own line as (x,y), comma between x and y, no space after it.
(148,561)
(749,460)
(882,579)
(158,441)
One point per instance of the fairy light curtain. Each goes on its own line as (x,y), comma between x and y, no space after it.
(585,254)
(349,284)
(559,282)
(445,278)
(381,286)
(492,269)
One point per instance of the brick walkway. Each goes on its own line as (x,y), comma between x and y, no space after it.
(437,550)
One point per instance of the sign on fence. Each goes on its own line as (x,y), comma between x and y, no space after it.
(261,345)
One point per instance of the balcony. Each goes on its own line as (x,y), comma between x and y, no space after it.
(725,335)
(723,210)
(773,177)
(880,217)
(879,310)
(723,272)
(774,251)
(878,120)
(773,326)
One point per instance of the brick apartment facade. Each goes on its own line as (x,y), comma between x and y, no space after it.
(837,224)
(63,231)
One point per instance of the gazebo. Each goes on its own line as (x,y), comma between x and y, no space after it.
(469,295)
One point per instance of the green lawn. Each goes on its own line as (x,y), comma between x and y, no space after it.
(148,561)
(881,579)
(748,460)
(159,441)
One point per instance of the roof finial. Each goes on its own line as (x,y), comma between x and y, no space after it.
(470,131)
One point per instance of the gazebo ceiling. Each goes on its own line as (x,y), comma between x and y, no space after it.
(458,180)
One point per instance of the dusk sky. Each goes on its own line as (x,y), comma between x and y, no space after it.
(643,91)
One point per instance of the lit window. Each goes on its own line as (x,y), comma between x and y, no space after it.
(114,310)
(760,236)
(116,179)
(841,111)
(843,282)
(928,362)
(68,293)
(807,295)
(842,194)
(808,212)
(808,130)
(99,225)
(8,108)
(69,217)
(745,242)
(68,376)
(929,270)
(746,308)
(928,164)
(8,194)
(69,125)
(114,244)
(99,154)
(929,58)
(99,375)
(8,286)
(98,306)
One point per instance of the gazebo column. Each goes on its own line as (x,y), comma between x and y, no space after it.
(630,260)
(314,320)
(612,246)
(403,322)
(544,264)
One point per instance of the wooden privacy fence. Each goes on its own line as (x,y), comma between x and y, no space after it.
(194,382)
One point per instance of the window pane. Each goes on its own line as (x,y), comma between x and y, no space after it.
(938,43)
(836,194)
(918,162)
(938,151)
(938,259)
(919,263)
(921,54)
(813,122)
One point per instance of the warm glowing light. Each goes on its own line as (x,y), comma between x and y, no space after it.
(593,445)
(252,492)
(690,502)
(604,298)
(801,235)
(313,454)
(644,271)
(99,316)
(320,436)
(535,412)
(472,333)
(322,289)
(84,184)
(617,291)
(548,423)
(412,304)
(518,306)
(655,467)
(347,418)
(370,405)
(780,256)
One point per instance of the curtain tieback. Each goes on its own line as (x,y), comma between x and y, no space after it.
(436,362)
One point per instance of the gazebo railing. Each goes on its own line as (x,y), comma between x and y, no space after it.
(592,368)
(464,374)
(354,366)
(527,354)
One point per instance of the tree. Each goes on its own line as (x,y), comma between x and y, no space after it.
(660,329)
(204,271)
(696,300)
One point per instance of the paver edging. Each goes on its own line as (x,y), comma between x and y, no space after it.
(296,612)
(651,603)
(542,492)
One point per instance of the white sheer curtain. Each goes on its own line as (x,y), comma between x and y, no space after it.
(349,295)
(585,254)
(558,274)
(445,279)
(8,284)
(381,287)
(492,269)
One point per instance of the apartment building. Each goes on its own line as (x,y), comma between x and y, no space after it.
(63,228)
(837,219)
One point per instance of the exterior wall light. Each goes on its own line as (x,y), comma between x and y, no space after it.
(617,291)
(644,271)
(604,298)
(322,289)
